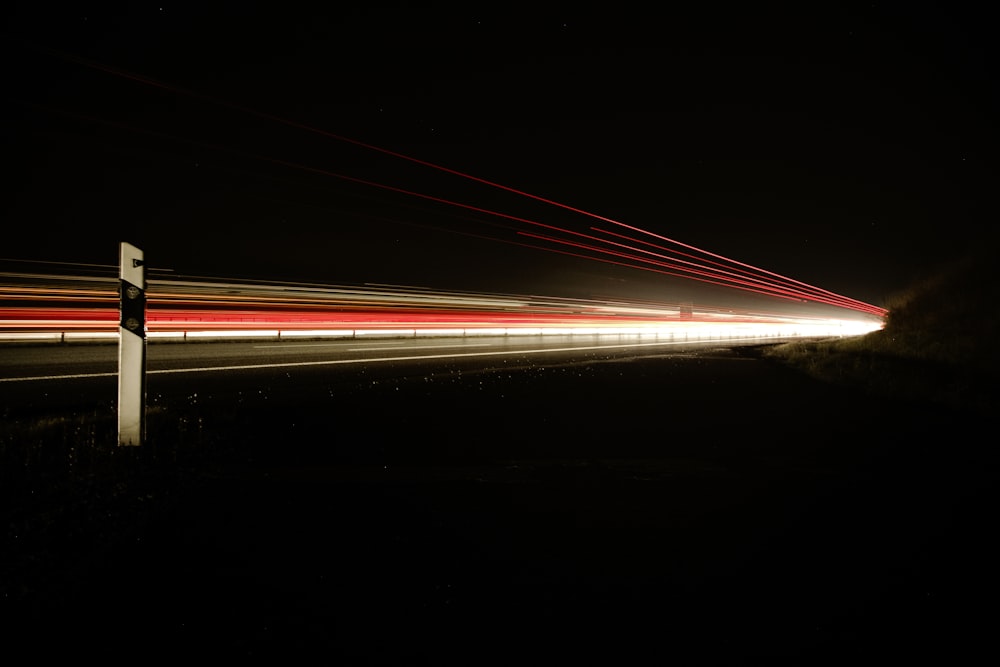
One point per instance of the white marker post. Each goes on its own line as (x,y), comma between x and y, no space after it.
(132,348)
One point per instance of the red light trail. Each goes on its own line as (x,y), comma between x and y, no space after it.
(696,264)
(33,305)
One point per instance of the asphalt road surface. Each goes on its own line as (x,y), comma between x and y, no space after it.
(649,505)
(55,361)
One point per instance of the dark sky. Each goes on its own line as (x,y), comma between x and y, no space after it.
(851,146)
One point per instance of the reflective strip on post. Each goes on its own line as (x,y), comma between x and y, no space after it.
(132,348)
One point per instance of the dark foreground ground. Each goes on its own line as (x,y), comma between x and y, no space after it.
(713,509)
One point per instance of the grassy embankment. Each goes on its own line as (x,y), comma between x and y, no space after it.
(939,344)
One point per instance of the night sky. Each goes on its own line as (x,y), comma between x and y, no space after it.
(848,145)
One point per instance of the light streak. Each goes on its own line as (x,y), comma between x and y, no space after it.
(751,284)
(809,289)
(184,309)
(766,282)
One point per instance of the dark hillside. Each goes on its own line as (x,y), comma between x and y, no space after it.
(938,343)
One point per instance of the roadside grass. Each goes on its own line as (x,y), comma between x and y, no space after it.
(65,482)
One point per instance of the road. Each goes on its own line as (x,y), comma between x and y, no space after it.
(27,371)
(626,505)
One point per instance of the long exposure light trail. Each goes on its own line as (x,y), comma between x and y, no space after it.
(731,273)
(782,290)
(750,283)
(66,307)
(818,292)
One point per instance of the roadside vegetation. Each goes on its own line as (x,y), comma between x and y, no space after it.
(939,343)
